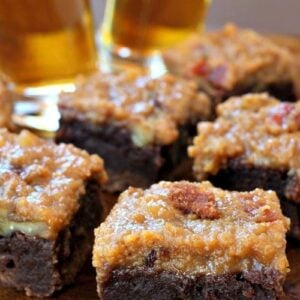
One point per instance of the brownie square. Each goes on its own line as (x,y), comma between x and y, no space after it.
(182,240)
(234,61)
(49,207)
(140,126)
(254,142)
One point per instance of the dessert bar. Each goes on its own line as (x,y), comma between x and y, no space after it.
(182,240)
(49,207)
(234,61)
(140,126)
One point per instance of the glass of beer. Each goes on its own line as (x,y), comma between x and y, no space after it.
(140,27)
(45,42)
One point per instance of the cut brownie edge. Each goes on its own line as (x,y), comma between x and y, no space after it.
(41,267)
(128,164)
(239,176)
(146,283)
(125,163)
(283,91)
(280,90)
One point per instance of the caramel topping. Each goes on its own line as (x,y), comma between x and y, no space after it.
(231,57)
(258,209)
(190,199)
(41,182)
(249,232)
(152,109)
(256,128)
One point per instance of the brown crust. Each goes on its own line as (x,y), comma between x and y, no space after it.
(146,283)
(41,267)
(190,199)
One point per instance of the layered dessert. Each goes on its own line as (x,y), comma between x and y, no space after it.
(254,142)
(140,126)
(182,240)
(234,61)
(49,207)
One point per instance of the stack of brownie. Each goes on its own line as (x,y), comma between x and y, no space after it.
(140,126)
(49,206)
(234,61)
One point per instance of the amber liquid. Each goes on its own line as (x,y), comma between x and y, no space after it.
(45,41)
(146,25)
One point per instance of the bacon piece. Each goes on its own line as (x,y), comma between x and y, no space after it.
(190,199)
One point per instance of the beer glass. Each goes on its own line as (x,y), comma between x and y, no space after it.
(139,27)
(45,42)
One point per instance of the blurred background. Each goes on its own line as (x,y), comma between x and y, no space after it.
(37,81)
(280,16)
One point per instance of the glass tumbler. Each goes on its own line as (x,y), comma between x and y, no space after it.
(140,27)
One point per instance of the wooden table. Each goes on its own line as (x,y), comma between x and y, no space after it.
(85,286)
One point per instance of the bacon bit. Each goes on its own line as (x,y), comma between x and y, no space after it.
(218,75)
(277,119)
(297,119)
(292,189)
(267,215)
(190,199)
(281,112)
(258,210)
(200,68)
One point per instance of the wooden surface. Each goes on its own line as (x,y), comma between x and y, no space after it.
(85,286)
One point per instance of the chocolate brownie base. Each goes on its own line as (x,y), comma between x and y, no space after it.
(285,91)
(126,163)
(145,283)
(244,177)
(40,266)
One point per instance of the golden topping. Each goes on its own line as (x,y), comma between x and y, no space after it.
(255,128)
(231,57)
(41,182)
(152,109)
(248,233)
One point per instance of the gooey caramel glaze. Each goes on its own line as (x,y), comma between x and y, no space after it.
(153,109)
(41,183)
(247,231)
(255,128)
